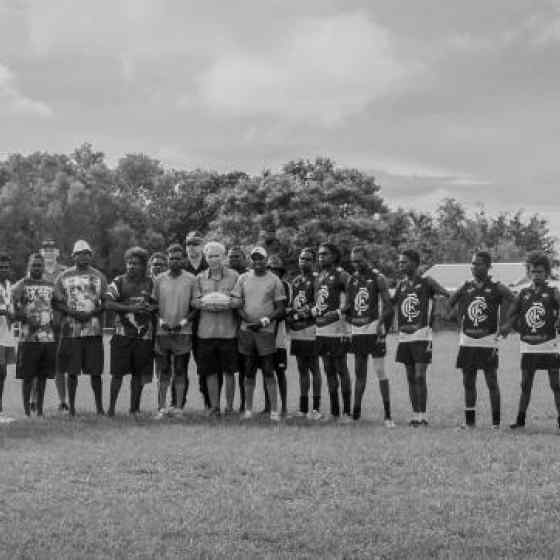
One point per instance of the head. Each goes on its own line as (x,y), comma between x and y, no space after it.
(136,261)
(215,254)
(193,242)
(236,258)
(539,268)
(175,257)
(328,255)
(49,252)
(306,260)
(82,254)
(480,265)
(276,265)
(5,266)
(35,266)
(157,264)
(409,261)
(258,260)
(358,258)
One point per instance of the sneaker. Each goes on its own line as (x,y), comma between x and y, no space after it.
(495,427)
(345,419)
(424,422)
(213,413)
(174,411)
(388,423)
(263,412)
(516,426)
(300,414)
(4,419)
(414,423)
(247,415)
(314,415)
(160,414)
(329,418)
(275,417)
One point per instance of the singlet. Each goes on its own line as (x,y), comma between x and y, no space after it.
(300,322)
(414,302)
(330,295)
(365,303)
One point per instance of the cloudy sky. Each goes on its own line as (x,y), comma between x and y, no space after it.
(436,98)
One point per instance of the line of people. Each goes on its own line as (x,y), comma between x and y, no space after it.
(237,320)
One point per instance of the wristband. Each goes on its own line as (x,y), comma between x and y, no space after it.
(265,322)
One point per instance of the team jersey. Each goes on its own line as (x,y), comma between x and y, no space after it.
(364,299)
(414,302)
(33,299)
(479,312)
(281,328)
(330,295)
(300,321)
(81,291)
(538,313)
(133,325)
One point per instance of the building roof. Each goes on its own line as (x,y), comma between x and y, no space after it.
(452,275)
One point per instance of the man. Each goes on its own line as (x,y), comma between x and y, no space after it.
(129,296)
(368,310)
(330,300)
(301,330)
(414,300)
(261,303)
(217,326)
(480,303)
(36,357)
(53,268)
(79,293)
(173,292)
(157,264)
(535,314)
(237,261)
(7,340)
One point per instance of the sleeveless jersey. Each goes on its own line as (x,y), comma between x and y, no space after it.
(479,308)
(538,312)
(301,324)
(330,294)
(364,302)
(414,309)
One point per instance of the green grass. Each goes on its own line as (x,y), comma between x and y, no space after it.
(194,488)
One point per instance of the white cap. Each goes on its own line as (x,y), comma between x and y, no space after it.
(80,246)
(259,251)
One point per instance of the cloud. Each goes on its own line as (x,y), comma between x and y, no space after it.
(13,102)
(325,70)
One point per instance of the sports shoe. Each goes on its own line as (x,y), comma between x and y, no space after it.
(300,414)
(275,416)
(516,426)
(174,411)
(495,427)
(414,423)
(314,415)
(345,419)
(424,422)
(160,414)
(388,423)
(247,415)
(329,418)
(213,413)
(4,419)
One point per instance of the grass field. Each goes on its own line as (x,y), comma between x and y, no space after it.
(193,488)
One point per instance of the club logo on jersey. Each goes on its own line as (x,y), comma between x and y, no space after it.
(300,300)
(361,301)
(477,311)
(321,302)
(410,307)
(534,316)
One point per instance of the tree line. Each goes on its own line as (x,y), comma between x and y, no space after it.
(70,196)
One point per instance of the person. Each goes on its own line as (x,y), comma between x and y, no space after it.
(7,339)
(129,296)
(217,326)
(79,294)
(301,331)
(480,302)
(36,357)
(53,268)
(237,261)
(330,300)
(261,302)
(534,314)
(173,290)
(414,300)
(157,264)
(368,311)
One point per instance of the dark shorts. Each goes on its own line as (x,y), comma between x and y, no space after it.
(217,355)
(415,352)
(366,344)
(470,357)
(256,343)
(133,356)
(7,355)
(303,348)
(534,362)
(80,355)
(36,359)
(280,359)
(332,346)
(175,344)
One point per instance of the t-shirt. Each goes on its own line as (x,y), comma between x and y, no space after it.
(365,302)
(414,301)
(81,291)
(6,334)
(33,298)
(257,295)
(174,295)
(330,295)
(134,325)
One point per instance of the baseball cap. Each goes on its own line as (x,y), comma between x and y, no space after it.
(194,238)
(80,246)
(259,251)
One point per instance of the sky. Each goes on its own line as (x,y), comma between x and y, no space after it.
(435,98)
